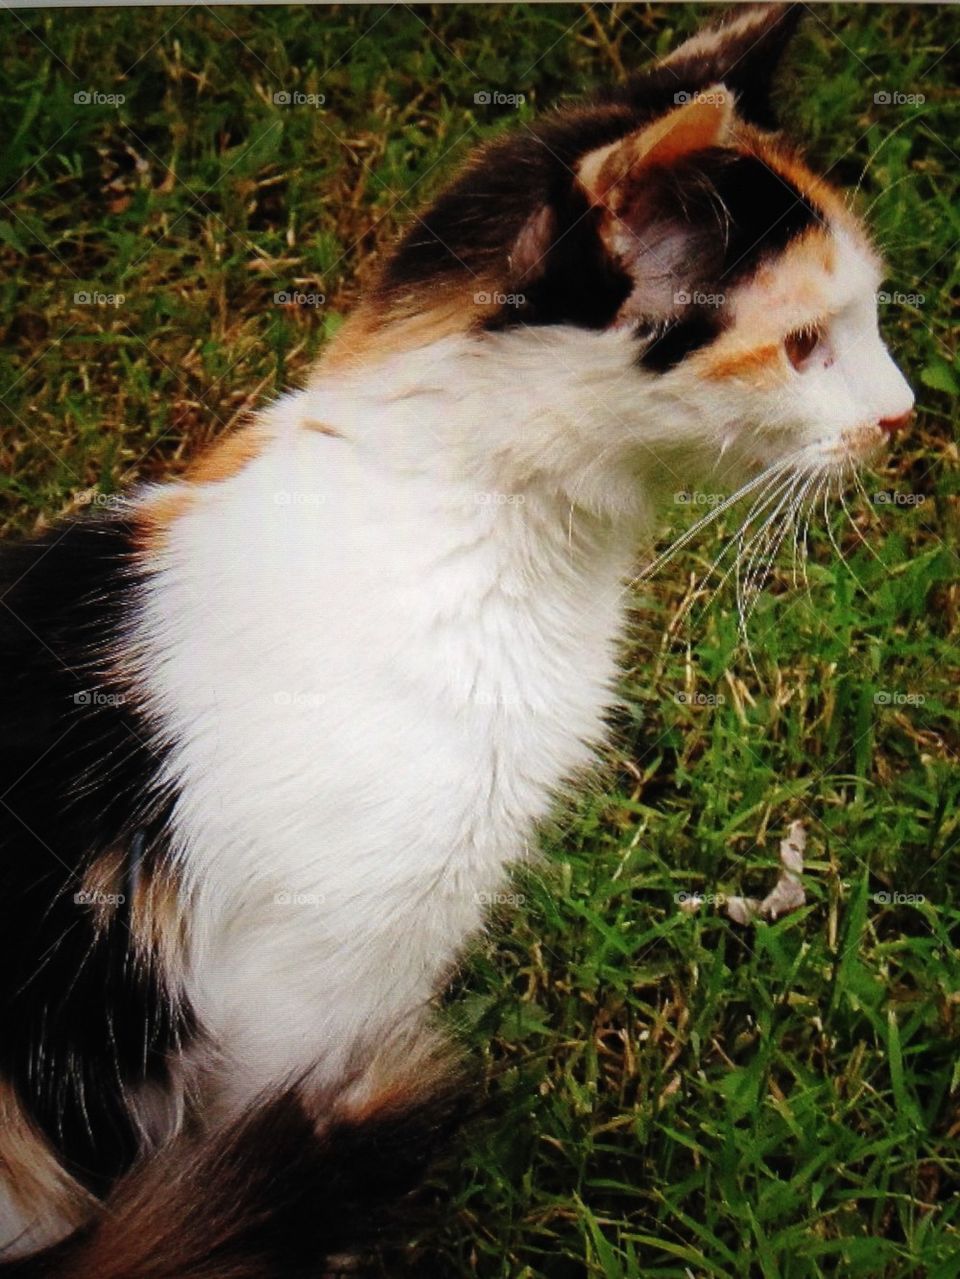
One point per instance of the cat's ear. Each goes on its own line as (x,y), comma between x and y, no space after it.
(744,52)
(528,253)
(705,120)
(609,175)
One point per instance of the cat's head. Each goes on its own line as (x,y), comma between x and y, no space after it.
(660,254)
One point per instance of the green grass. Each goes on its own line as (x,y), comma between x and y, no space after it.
(672,1094)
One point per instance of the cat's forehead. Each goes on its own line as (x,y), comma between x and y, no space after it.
(830,269)
(818,275)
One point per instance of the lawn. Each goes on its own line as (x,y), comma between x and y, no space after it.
(669,1093)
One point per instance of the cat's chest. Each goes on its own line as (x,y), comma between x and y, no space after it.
(357,680)
(297,729)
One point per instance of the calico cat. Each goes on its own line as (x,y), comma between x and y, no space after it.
(274,732)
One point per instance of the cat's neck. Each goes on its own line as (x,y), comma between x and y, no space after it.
(549,414)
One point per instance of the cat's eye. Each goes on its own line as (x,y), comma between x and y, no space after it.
(801,344)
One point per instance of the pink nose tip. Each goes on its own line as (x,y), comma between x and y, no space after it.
(894,424)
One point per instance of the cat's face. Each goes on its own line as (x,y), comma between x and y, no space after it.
(660,253)
(781,357)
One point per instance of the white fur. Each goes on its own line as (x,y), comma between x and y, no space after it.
(377,660)
(709,42)
(24,1229)
(377,657)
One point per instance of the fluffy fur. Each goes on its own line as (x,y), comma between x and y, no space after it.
(304,708)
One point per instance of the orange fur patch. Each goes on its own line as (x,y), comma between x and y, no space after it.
(103,887)
(406,1068)
(745,363)
(227,456)
(310,424)
(695,126)
(156,916)
(158,923)
(156,517)
(815,250)
(32,1172)
(375,333)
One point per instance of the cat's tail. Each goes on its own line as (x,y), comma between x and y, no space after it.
(275,1195)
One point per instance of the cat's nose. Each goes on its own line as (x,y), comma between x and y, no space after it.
(894,424)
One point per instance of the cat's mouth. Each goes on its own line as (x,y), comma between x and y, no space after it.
(865,443)
(860,445)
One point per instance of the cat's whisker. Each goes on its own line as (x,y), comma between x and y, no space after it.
(812,509)
(833,540)
(797,555)
(907,177)
(767,496)
(762,480)
(790,516)
(868,501)
(758,570)
(744,550)
(846,511)
(761,501)
(868,506)
(759,561)
(704,578)
(767,553)
(765,565)
(851,197)
(744,491)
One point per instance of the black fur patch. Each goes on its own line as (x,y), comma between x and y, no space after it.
(267,1196)
(741,211)
(746,63)
(468,234)
(736,213)
(80,1016)
(670,345)
(577,281)
(733,208)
